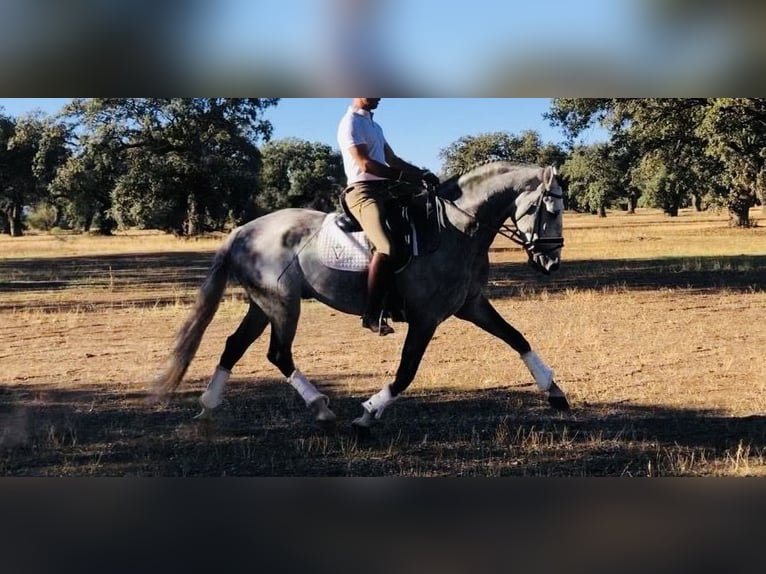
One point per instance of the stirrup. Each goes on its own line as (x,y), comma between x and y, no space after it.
(381,326)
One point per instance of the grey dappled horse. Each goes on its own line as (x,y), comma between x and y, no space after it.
(275,260)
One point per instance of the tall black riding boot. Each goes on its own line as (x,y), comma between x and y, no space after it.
(380,275)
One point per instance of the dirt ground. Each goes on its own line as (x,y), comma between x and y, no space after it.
(654,328)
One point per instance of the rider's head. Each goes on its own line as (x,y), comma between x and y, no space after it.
(368,104)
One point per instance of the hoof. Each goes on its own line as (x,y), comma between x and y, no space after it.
(157,400)
(363,424)
(322,413)
(205,414)
(559,403)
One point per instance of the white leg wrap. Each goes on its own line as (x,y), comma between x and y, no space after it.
(306,390)
(211,398)
(378,402)
(540,371)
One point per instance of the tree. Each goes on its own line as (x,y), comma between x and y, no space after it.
(575,115)
(179,164)
(660,185)
(31,150)
(298,173)
(592,177)
(83,186)
(702,148)
(734,130)
(527,147)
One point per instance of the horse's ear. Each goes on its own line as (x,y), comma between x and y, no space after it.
(548,174)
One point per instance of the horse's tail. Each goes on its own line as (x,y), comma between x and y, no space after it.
(190,334)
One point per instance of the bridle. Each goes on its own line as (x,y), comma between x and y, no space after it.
(536,246)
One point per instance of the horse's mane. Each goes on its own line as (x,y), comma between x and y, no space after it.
(449,189)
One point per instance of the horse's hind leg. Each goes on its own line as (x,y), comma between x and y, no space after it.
(284,321)
(238,342)
(481,313)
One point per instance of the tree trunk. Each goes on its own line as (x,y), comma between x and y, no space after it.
(739,210)
(697,202)
(13,213)
(670,207)
(88,220)
(59,215)
(105,223)
(193,219)
(739,216)
(602,211)
(632,201)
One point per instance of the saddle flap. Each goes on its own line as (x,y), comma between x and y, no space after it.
(347,224)
(346,221)
(340,249)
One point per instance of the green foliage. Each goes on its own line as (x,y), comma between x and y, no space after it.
(31,150)
(701,147)
(527,147)
(42,217)
(661,187)
(734,130)
(177,164)
(298,173)
(593,178)
(82,185)
(575,115)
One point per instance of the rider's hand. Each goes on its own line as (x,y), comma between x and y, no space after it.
(431,179)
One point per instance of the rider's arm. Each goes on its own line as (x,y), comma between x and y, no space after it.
(415,173)
(409,172)
(396,170)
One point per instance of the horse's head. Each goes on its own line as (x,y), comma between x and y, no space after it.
(538,217)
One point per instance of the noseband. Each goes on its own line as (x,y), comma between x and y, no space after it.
(535,245)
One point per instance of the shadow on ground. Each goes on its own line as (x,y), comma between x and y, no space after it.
(735,273)
(262,429)
(157,278)
(136,280)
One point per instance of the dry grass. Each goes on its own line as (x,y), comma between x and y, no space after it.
(654,327)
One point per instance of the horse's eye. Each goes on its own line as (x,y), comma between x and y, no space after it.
(532,209)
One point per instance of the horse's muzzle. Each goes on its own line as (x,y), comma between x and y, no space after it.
(544,264)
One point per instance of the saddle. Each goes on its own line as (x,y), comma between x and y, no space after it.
(408,221)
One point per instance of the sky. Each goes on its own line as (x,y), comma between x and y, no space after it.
(594,48)
(442,46)
(416,128)
(449,48)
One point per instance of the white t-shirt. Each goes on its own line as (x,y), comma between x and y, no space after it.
(357,127)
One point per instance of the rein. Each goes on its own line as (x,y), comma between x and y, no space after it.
(537,246)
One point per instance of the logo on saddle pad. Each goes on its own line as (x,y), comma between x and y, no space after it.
(340,250)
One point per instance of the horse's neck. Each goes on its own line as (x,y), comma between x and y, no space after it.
(487,202)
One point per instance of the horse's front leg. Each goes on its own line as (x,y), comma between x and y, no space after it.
(415,344)
(481,313)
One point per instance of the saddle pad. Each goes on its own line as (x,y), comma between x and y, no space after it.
(340,250)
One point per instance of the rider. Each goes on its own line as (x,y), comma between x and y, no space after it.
(374,174)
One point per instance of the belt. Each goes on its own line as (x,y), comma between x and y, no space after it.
(381,183)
